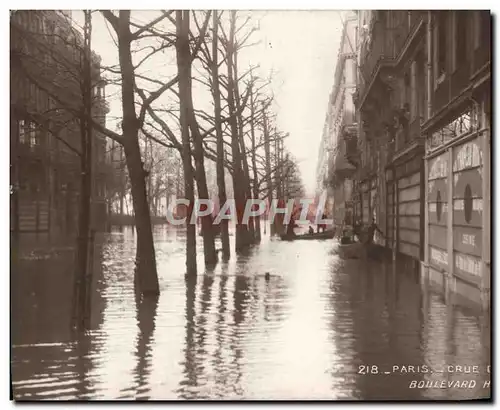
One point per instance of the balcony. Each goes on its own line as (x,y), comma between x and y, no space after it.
(393,35)
(375,53)
(343,168)
(350,136)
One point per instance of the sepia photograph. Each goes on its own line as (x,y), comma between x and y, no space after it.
(250,205)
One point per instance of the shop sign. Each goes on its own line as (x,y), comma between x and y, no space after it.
(468,155)
(439,257)
(468,264)
(438,167)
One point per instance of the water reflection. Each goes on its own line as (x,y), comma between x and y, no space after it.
(146,316)
(191,367)
(314,328)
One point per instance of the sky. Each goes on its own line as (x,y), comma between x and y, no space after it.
(299,47)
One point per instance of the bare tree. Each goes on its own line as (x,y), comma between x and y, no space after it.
(131,125)
(183,64)
(242,239)
(221,184)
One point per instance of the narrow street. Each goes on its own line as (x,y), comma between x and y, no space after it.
(308,331)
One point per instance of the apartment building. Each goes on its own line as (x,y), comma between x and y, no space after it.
(45,94)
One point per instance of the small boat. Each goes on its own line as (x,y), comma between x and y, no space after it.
(309,236)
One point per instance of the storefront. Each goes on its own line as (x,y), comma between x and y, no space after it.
(458,228)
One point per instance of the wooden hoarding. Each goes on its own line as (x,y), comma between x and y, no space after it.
(437,189)
(409,215)
(391,214)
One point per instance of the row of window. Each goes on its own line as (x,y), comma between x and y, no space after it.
(31,135)
(454,31)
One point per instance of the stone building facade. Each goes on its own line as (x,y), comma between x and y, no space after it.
(45,77)
(336,158)
(423,104)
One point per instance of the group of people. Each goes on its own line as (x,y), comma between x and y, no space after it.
(364,234)
(320,227)
(292,225)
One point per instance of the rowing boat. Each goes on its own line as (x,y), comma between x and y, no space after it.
(309,236)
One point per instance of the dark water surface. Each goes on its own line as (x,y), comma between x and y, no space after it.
(309,332)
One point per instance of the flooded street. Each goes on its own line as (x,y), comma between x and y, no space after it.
(309,331)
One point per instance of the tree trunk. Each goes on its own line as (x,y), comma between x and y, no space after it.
(146,272)
(244,159)
(278,225)
(254,164)
(238,174)
(221,182)
(267,149)
(178,183)
(185,91)
(81,286)
(182,29)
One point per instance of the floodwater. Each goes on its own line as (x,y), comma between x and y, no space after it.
(318,328)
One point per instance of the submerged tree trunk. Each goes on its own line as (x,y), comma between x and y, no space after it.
(182,29)
(267,150)
(221,182)
(278,226)
(185,91)
(247,188)
(82,274)
(123,182)
(146,275)
(146,272)
(254,165)
(238,174)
